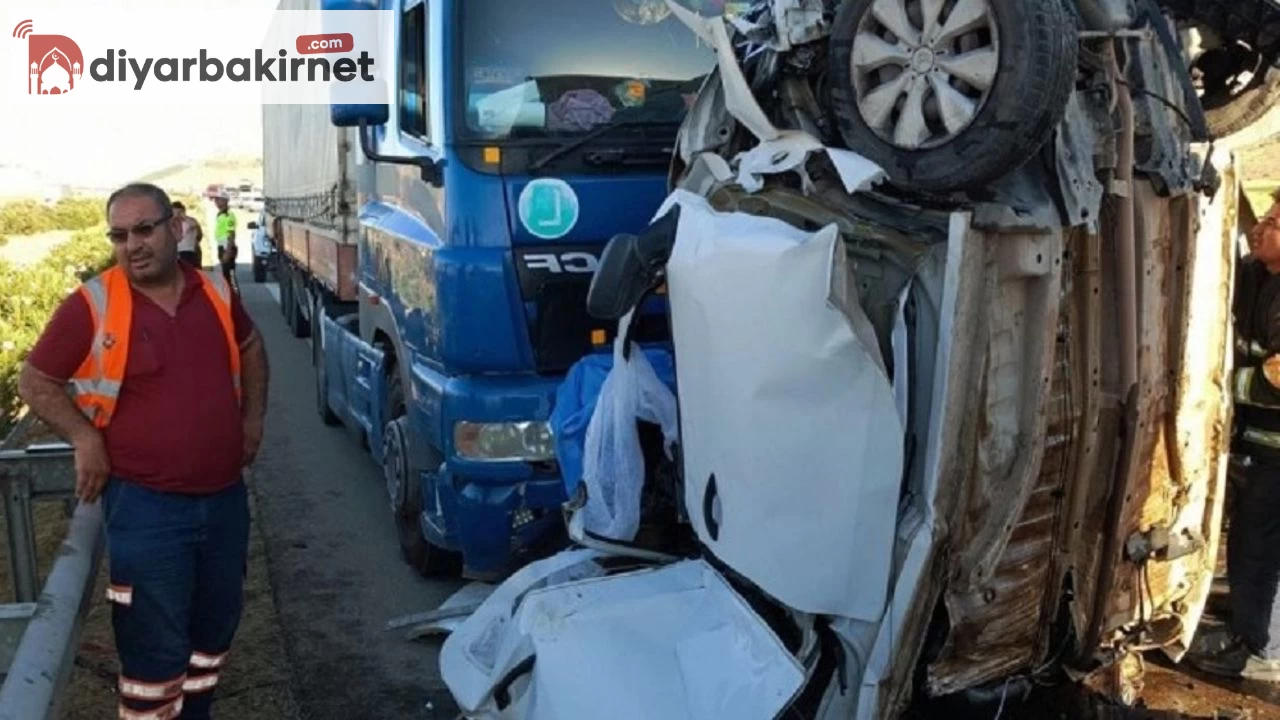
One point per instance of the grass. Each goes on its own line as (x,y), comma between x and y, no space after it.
(255,683)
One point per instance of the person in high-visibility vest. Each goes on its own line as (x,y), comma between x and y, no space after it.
(224,236)
(157,377)
(1251,647)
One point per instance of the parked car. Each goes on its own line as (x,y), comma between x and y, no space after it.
(264,249)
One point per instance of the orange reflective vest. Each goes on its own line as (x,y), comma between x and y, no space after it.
(96,384)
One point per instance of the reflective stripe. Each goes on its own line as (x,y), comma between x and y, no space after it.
(1269,438)
(168,712)
(120,594)
(206,661)
(136,690)
(104,387)
(200,684)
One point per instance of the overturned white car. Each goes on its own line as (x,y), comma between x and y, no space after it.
(926,444)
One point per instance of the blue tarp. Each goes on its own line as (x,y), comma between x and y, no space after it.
(576,401)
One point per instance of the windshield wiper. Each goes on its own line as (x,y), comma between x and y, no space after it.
(576,143)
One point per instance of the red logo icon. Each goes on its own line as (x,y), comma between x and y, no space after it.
(56,63)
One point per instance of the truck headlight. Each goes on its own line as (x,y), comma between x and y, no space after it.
(505,441)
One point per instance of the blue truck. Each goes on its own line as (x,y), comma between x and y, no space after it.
(438,250)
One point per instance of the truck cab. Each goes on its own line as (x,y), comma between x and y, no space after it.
(519,138)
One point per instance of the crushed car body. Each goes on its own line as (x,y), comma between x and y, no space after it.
(933,435)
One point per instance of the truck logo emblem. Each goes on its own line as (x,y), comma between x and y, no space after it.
(548,208)
(571,262)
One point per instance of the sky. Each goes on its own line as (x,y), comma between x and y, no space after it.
(105,148)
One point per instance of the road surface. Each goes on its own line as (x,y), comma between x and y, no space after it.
(334,561)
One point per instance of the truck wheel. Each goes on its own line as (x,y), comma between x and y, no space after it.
(953,101)
(298,324)
(327,416)
(259,270)
(286,284)
(402,488)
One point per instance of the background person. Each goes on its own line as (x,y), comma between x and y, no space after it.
(191,237)
(1251,648)
(165,411)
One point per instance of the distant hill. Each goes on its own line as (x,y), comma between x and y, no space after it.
(195,176)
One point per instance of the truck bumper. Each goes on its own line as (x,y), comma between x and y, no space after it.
(494,513)
(493,521)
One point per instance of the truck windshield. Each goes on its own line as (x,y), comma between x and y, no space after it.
(560,68)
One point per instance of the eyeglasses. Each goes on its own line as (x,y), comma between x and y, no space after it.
(142,229)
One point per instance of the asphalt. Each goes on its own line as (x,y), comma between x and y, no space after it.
(333,557)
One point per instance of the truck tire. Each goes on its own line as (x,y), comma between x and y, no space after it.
(327,416)
(286,290)
(406,503)
(952,104)
(298,324)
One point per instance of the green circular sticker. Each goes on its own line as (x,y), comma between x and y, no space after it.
(548,208)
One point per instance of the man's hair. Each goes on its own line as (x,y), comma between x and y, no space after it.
(147,190)
(177,205)
(1275,195)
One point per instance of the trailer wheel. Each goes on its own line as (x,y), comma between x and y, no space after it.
(406,500)
(286,286)
(327,416)
(955,100)
(298,324)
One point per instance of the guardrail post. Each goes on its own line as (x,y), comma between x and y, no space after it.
(20,525)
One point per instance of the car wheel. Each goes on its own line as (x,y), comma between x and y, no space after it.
(950,100)
(318,361)
(402,489)
(1237,86)
(259,270)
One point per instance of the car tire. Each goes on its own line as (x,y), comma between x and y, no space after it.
(1024,51)
(259,270)
(406,503)
(1228,115)
(318,361)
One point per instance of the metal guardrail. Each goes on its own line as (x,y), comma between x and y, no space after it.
(40,634)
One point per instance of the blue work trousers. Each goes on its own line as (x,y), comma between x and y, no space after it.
(177,569)
(1253,560)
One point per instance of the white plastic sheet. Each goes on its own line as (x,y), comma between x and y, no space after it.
(788,409)
(613,463)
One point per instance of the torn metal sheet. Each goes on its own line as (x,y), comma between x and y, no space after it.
(481,650)
(675,642)
(739,100)
(830,472)
(445,618)
(789,152)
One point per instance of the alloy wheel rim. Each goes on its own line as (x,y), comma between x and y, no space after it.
(923,69)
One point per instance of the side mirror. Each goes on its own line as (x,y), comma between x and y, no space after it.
(631,266)
(357,115)
(253,226)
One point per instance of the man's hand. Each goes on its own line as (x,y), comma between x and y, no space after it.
(252,440)
(92,465)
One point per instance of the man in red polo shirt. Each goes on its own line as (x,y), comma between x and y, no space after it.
(167,460)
